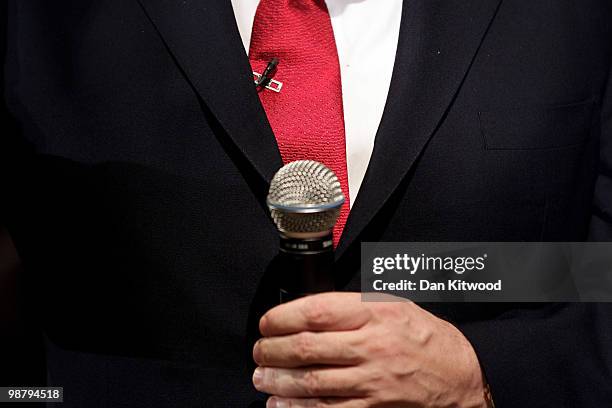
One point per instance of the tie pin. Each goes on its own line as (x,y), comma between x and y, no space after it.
(265,79)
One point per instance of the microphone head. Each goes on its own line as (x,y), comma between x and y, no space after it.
(305,199)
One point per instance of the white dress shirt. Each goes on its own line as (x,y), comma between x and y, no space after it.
(366,33)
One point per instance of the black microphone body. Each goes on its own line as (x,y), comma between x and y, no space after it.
(306,266)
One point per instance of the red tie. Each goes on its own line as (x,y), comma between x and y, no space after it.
(306,115)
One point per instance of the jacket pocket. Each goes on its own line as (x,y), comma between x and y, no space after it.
(536,127)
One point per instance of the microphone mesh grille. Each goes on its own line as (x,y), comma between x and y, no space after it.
(305,197)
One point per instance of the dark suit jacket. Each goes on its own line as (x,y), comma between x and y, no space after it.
(138,160)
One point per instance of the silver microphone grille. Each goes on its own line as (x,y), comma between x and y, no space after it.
(305,199)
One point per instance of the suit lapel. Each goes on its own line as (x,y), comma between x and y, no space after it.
(437,43)
(203,38)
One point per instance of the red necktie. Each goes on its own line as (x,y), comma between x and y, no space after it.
(306,115)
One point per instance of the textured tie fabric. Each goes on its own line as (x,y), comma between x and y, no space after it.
(307,114)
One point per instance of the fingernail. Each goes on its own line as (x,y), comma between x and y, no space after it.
(258,377)
(276,403)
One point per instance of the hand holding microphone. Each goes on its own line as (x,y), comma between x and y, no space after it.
(332,349)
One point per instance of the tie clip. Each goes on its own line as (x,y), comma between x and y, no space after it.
(265,79)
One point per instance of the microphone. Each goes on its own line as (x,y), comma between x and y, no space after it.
(304,201)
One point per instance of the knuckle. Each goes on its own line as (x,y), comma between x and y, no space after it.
(396,309)
(318,313)
(423,336)
(379,345)
(304,347)
(312,383)
(377,377)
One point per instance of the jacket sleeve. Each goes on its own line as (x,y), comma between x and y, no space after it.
(15,153)
(557,356)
